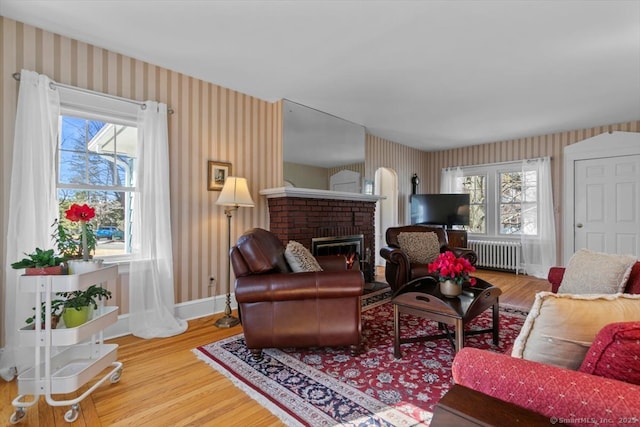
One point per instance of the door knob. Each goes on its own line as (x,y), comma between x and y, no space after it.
(579,225)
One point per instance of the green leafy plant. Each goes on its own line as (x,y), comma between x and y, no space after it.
(56,309)
(69,244)
(38,259)
(88,297)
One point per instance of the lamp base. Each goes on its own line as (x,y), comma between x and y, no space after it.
(227,321)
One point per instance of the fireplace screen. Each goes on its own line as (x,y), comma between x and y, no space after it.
(349,246)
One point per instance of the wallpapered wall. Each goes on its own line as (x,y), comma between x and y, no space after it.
(209,123)
(551,145)
(215,123)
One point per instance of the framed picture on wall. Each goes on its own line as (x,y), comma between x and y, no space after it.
(218,173)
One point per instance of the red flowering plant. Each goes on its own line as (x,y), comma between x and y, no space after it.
(449,267)
(82,214)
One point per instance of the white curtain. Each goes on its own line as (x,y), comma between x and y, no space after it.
(151,275)
(451,180)
(539,251)
(33,204)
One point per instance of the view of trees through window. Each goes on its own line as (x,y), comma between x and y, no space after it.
(475,186)
(514,207)
(518,203)
(96,161)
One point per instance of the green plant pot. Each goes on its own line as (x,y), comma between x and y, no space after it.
(74,318)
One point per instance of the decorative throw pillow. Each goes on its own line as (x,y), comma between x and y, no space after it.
(299,258)
(615,353)
(561,327)
(591,272)
(420,247)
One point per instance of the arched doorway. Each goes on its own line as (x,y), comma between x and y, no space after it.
(386,185)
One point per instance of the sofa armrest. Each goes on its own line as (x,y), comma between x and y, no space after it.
(299,286)
(545,389)
(394,255)
(332,262)
(554,277)
(469,254)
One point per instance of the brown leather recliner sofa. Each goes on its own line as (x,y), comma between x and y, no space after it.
(279,308)
(399,270)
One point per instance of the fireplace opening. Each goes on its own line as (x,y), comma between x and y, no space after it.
(349,246)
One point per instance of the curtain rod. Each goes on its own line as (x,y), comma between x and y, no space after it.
(54,85)
(499,163)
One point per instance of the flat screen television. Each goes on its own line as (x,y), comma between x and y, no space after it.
(440,209)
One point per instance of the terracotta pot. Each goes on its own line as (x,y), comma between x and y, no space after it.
(44,271)
(450,289)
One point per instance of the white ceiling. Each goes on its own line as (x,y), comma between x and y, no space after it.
(428,74)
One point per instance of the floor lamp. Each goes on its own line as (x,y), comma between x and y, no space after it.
(234,194)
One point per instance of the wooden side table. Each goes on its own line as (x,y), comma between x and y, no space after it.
(421,297)
(462,406)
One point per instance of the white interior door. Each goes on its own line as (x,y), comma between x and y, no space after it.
(386,185)
(607,204)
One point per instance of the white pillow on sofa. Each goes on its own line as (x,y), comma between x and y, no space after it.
(561,327)
(591,272)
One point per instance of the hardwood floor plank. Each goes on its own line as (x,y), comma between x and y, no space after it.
(164,384)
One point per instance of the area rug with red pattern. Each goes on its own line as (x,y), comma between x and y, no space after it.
(328,387)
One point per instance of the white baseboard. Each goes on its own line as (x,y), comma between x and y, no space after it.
(185,310)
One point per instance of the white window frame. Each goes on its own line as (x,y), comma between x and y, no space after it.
(492,187)
(95,106)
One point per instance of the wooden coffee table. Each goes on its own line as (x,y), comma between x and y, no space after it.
(421,297)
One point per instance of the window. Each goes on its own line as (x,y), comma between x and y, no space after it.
(96,165)
(518,203)
(475,185)
(503,199)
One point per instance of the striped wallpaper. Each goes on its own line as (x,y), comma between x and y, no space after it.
(215,123)
(209,123)
(551,145)
(406,161)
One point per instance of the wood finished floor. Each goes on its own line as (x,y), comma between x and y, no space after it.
(164,384)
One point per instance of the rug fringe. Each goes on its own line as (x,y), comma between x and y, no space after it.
(274,409)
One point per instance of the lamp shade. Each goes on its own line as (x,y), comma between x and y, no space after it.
(235,192)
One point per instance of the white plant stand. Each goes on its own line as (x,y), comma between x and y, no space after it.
(85,355)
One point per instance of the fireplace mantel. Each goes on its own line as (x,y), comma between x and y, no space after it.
(310,193)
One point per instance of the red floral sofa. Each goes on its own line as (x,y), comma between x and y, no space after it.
(589,396)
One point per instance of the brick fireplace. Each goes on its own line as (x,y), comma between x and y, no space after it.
(302,214)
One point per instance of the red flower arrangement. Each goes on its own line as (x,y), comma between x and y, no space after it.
(449,267)
(84,214)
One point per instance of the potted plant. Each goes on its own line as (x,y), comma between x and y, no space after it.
(56,309)
(82,214)
(79,305)
(40,262)
(69,244)
(452,272)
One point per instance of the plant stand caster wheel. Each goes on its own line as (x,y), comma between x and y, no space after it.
(72,414)
(17,416)
(116,376)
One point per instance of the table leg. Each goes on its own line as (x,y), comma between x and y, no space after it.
(459,334)
(496,323)
(396,332)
